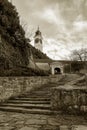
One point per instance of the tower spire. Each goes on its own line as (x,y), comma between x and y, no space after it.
(38,27)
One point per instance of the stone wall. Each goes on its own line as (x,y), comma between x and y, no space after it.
(14,86)
(71,99)
(43,66)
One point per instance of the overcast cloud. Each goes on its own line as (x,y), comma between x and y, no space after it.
(63,23)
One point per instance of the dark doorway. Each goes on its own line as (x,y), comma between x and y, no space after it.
(57,70)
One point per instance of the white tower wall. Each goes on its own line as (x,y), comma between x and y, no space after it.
(38,41)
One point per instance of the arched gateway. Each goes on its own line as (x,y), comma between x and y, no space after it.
(56,68)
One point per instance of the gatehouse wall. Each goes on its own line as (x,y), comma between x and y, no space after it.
(56,65)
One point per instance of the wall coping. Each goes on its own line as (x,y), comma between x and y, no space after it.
(70,87)
(23,77)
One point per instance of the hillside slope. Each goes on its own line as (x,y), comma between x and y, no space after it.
(14,47)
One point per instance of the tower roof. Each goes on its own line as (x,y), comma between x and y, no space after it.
(37,32)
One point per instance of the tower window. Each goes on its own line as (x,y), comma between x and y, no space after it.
(40,41)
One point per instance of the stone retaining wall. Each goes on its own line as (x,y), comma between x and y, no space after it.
(68,98)
(14,86)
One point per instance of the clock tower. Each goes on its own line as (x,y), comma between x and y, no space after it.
(38,40)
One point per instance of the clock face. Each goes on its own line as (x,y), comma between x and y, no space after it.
(36,40)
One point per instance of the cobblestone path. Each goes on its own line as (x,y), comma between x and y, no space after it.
(20,121)
(40,120)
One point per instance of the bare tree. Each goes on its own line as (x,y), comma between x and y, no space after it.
(79,59)
(29,30)
(79,55)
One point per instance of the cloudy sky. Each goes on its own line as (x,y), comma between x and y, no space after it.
(63,24)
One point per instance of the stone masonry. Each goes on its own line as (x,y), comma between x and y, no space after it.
(14,86)
(69,98)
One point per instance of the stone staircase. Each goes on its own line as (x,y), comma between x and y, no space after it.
(35,102)
(38,101)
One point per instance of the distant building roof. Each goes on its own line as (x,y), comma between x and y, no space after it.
(62,61)
(43,60)
(53,61)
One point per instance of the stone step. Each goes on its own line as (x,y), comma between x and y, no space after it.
(36,106)
(32,99)
(37,92)
(34,96)
(42,91)
(28,102)
(23,110)
(41,95)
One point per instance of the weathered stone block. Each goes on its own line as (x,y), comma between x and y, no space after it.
(69,99)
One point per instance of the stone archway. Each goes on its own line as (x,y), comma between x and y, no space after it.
(57,70)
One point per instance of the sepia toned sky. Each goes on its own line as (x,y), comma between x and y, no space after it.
(63,24)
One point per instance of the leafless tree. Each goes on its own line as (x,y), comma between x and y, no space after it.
(79,59)
(29,30)
(79,55)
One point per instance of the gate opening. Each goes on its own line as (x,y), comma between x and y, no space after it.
(57,70)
